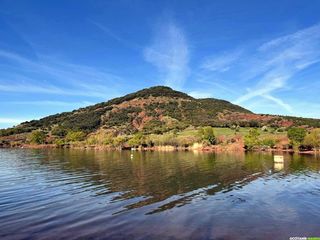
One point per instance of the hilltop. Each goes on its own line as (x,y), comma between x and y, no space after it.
(147,108)
(155,110)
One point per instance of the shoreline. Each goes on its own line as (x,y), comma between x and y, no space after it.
(168,148)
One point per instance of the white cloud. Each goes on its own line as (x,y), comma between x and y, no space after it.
(53,76)
(116,37)
(279,102)
(222,62)
(281,59)
(271,81)
(169,52)
(49,89)
(293,39)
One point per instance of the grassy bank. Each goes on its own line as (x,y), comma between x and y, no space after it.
(191,138)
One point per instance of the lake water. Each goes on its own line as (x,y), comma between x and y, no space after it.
(86,194)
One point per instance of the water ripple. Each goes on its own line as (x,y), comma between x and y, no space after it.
(59,194)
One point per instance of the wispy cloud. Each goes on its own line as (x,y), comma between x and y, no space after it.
(279,60)
(211,81)
(169,52)
(221,62)
(49,89)
(54,76)
(115,36)
(279,102)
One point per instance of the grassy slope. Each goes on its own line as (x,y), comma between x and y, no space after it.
(228,132)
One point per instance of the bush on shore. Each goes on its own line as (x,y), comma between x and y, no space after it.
(296,136)
(312,139)
(37,137)
(252,139)
(100,138)
(59,131)
(137,140)
(207,135)
(75,136)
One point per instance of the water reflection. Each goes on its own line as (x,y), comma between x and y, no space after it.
(78,190)
(156,176)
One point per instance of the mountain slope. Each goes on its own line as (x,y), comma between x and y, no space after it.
(135,111)
(156,110)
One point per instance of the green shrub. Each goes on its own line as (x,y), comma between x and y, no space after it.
(119,141)
(59,131)
(37,137)
(313,139)
(101,137)
(186,141)
(167,139)
(75,136)
(108,139)
(268,142)
(252,139)
(207,134)
(138,139)
(280,130)
(154,126)
(296,135)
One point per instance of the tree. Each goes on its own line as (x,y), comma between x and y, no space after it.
(74,136)
(59,131)
(296,135)
(137,140)
(252,139)
(254,123)
(313,139)
(37,137)
(119,141)
(207,134)
(269,142)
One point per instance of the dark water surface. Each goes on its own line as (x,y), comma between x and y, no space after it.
(82,194)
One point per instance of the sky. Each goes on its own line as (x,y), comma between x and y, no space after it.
(57,56)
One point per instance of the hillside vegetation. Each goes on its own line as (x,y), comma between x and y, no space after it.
(153,116)
(133,111)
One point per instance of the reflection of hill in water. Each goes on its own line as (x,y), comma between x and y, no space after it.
(172,177)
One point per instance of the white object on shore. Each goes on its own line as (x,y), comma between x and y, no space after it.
(278,158)
(278,162)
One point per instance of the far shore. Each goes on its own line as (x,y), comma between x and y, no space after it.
(213,148)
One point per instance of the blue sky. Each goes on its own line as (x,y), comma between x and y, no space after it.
(57,56)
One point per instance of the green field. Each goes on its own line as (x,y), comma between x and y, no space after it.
(228,132)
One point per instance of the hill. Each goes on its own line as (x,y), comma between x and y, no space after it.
(136,111)
(156,110)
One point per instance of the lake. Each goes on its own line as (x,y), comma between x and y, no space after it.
(87,194)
